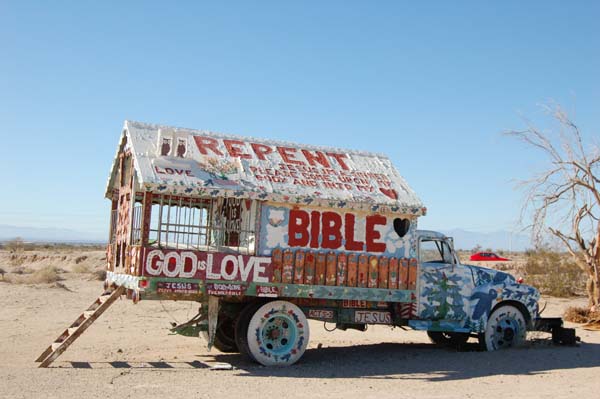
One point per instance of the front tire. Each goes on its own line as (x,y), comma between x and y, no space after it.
(506,328)
(277,334)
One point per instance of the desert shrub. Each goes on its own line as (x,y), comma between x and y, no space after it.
(80,259)
(503,266)
(49,274)
(20,270)
(15,245)
(99,275)
(580,315)
(554,273)
(17,259)
(81,268)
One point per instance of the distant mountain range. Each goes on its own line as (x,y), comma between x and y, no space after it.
(463,239)
(496,240)
(49,234)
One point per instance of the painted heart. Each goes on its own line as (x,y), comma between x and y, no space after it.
(401,226)
(390,192)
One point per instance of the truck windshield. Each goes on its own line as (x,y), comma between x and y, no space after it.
(435,251)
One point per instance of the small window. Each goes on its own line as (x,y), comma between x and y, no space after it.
(435,251)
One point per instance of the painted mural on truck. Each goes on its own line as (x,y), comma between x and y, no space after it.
(461,297)
(335,230)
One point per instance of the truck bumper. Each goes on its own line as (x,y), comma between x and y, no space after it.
(560,334)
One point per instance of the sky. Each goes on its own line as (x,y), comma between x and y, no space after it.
(431,84)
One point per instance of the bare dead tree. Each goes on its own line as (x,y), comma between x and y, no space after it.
(564,199)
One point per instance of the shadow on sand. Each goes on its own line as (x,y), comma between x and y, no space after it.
(397,361)
(425,361)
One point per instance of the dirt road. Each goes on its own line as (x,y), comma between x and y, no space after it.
(128,352)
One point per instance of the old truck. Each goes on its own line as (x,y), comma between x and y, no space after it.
(265,235)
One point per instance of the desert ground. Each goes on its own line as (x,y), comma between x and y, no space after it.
(129,352)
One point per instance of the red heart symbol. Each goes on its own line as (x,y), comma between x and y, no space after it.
(390,192)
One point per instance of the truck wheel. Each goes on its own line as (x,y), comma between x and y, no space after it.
(225,335)
(448,339)
(241,328)
(505,328)
(277,334)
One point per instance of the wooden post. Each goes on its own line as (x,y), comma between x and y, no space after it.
(146,215)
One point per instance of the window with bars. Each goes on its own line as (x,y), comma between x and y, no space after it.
(206,224)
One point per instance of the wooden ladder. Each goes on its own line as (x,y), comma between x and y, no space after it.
(79,326)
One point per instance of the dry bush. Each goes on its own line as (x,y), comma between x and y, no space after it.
(80,259)
(99,275)
(82,268)
(15,245)
(20,270)
(580,315)
(554,273)
(49,274)
(17,259)
(503,266)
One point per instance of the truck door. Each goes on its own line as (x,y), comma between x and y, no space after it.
(443,283)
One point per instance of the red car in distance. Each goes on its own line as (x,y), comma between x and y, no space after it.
(488,256)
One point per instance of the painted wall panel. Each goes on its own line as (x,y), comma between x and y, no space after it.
(282,226)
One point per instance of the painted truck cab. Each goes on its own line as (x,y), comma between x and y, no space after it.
(267,234)
(458,298)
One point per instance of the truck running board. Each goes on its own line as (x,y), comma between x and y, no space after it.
(79,326)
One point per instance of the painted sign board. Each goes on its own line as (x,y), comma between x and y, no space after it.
(168,287)
(267,291)
(225,289)
(206,266)
(321,314)
(372,317)
(340,231)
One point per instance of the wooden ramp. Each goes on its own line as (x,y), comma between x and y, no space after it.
(79,326)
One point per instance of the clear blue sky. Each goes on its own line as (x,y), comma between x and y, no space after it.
(431,84)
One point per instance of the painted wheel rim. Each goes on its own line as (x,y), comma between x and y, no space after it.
(278,334)
(506,333)
(506,328)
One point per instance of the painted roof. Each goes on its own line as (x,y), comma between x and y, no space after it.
(191,162)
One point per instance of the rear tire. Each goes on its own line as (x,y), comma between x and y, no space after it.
(241,328)
(505,328)
(448,339)
(225,335)
(277,334)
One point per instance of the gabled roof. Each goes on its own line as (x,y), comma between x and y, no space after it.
(190,162)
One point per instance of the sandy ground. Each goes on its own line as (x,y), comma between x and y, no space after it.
(128,352)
